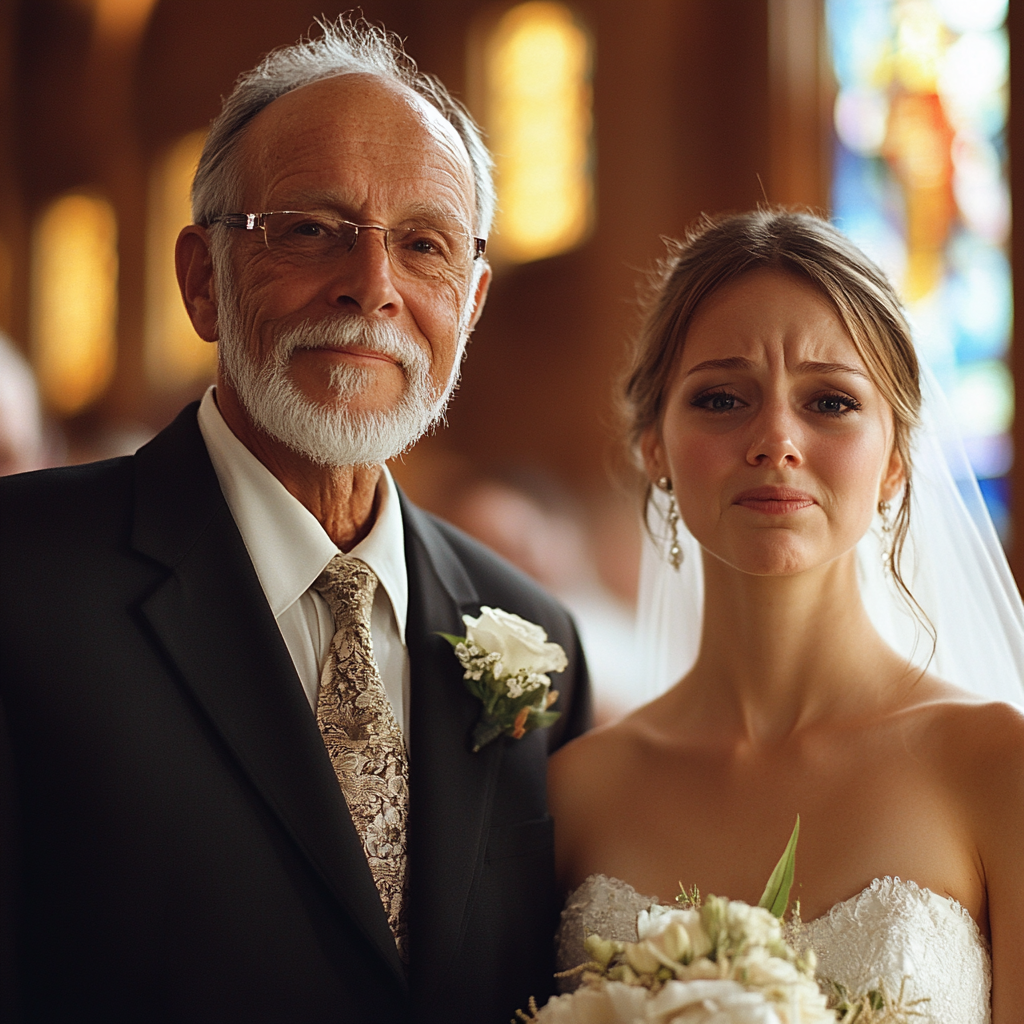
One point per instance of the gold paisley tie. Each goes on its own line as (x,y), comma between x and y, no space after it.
(362,736)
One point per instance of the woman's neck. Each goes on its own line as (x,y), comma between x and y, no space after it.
(779,653)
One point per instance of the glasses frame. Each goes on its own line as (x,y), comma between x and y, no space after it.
(257,222)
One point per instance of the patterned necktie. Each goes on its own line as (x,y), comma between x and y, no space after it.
(362,736)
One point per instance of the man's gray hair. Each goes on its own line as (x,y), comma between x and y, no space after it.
(347,46)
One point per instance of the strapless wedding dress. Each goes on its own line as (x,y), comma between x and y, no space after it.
(892,931)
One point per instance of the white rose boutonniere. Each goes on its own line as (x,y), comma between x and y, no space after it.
(506,661)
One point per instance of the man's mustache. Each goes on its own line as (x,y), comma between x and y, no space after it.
(376,336)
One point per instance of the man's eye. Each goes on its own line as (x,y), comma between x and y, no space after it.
(310,229)
(426,243)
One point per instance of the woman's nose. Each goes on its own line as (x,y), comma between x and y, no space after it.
(773,439)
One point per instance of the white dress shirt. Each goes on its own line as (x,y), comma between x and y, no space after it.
(289,549)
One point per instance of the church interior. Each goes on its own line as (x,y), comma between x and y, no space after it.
(614,127)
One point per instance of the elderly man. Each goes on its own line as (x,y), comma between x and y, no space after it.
(239,783)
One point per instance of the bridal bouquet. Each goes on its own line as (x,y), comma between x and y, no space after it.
(722,962)
(712,961)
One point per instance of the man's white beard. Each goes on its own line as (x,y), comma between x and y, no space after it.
(332,435)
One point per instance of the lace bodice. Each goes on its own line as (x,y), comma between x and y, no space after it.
(890,931)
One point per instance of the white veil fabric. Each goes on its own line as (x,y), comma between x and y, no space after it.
(952,563)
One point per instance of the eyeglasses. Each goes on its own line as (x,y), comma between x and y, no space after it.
(321,238)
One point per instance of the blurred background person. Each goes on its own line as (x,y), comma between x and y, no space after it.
(536,524)
(27,441)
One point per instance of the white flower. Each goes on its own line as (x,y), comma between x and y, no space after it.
(658,921)
(709,1002)
(757,967)
(517,685)
(754,925)
(521,646)
(610,1003)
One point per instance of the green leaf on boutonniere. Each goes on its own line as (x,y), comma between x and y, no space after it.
(776,893)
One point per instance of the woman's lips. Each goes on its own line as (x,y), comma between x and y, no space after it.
(774,501)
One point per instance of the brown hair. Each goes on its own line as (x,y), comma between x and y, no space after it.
(719,250)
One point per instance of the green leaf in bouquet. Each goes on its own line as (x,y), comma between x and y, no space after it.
(775,897)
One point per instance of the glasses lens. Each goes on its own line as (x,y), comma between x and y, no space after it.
(308,235)
(428,251)
(420,252)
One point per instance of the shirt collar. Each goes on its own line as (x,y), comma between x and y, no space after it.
(288,546)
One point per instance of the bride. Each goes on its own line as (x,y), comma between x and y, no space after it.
(775,400)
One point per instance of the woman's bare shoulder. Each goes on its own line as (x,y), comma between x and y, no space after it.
(964,717)
(598,752)
(978,743)
(592,782)
(598,765)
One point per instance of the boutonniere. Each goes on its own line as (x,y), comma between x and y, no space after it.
(505,661)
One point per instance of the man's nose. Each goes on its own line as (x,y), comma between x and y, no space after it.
(773,439)
(364,280)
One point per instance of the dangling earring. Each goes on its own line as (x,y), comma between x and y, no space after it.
(675,552)
(885,511)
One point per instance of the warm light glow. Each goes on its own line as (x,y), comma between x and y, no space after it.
(74,300)
(175,355)
(539,119)
(122,19)
(920,39)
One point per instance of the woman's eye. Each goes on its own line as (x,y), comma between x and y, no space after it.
(716,401)
(835,405)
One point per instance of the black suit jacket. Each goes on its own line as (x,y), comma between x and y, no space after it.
(175,842)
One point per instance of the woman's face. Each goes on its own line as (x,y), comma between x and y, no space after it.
(778,444)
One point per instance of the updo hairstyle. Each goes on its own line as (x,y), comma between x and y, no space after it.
(719,250)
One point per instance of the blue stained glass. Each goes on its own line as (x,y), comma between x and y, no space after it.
(978,294)
(919,182)
(858,28)
(996,492)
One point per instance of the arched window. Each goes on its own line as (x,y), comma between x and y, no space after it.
(176,357)
(536,105)
(74,300)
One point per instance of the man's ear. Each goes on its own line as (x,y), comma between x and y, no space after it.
(483,285)
(652,450)
(894,478)
(194,266)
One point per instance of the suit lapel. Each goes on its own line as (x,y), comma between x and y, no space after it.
(451,789)
(213,621)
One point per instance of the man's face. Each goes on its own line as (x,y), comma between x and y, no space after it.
(357,337)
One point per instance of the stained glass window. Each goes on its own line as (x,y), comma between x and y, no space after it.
(919,182)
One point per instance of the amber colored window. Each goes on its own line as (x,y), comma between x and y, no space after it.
(74,300)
